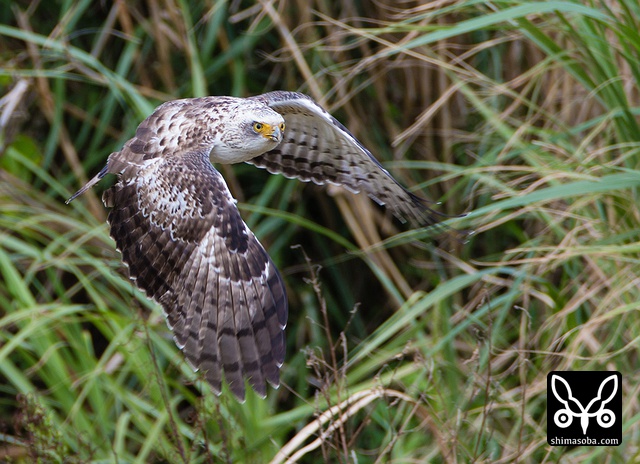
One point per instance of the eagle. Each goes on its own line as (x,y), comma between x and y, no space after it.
(180,233)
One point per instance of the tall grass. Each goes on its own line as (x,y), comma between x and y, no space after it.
(403,345)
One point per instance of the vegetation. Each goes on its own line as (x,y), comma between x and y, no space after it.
(403,345)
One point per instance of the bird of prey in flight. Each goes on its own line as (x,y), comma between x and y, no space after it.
(181,235)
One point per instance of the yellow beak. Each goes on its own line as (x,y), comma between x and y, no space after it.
(273,133)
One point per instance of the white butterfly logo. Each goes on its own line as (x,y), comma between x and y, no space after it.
(564,417)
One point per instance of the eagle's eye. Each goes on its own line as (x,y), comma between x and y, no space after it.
(282,126)
(258,127)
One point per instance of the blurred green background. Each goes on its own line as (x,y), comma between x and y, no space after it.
(404,345)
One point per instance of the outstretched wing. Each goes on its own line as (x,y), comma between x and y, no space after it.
(316,147)
(182,237)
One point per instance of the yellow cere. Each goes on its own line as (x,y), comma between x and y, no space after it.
(263,128)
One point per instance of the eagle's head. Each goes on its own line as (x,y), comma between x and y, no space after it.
(250,129)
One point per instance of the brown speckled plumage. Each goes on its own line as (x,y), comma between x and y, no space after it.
(179,231)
